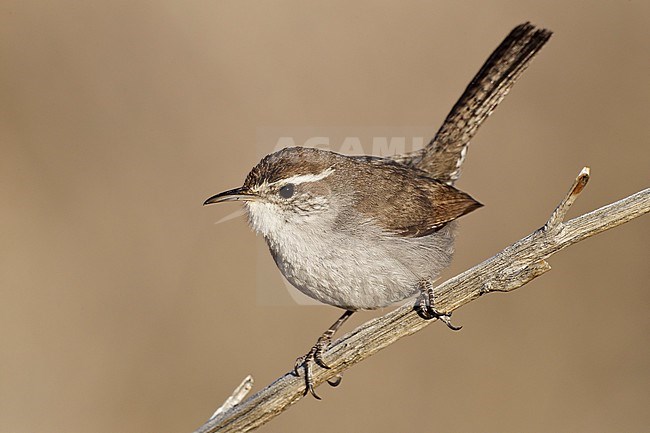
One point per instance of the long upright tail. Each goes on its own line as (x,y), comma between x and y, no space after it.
(444,155)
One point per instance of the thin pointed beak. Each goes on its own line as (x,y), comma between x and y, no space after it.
(237,194)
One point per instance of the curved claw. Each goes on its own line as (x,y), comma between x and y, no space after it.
(336,381)
(446,319)
(310,389)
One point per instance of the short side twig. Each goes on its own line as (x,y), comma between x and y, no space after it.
(513,267)
(236,397)
(560,212)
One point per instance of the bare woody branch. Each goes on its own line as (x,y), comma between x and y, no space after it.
(513,267)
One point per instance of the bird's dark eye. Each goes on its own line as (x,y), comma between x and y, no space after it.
(286,191)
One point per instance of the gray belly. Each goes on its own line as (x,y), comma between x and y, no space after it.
(363,273)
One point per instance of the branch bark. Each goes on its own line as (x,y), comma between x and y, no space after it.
(511,268)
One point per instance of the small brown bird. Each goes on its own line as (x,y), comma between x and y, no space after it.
(363,232)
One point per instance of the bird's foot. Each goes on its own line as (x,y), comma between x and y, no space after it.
(315,356)
(425,307)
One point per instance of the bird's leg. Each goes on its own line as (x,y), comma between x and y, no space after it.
(425,306)
(316,355)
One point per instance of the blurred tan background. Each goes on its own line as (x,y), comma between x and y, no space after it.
(123,307)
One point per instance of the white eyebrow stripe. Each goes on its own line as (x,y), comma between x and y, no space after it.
(303,178)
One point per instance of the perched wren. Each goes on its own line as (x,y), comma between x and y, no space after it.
(363,232)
